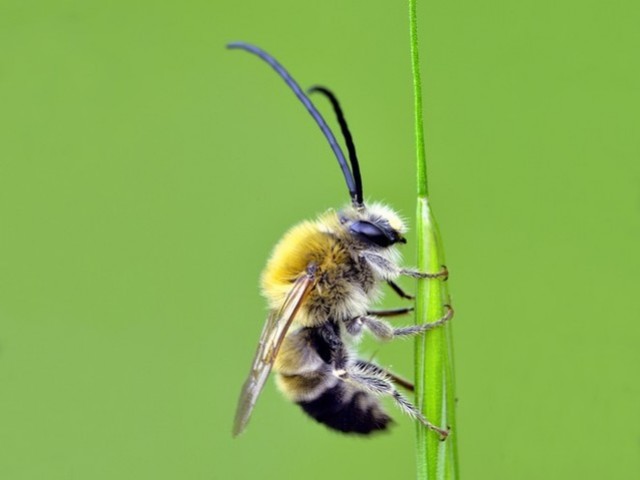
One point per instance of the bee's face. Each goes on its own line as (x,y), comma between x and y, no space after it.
(374,226)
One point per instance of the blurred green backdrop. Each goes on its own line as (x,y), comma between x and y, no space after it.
(146,172)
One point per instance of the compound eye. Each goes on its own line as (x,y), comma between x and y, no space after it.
(372,233)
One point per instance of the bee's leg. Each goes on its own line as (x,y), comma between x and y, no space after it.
(354,325)
(379,385)
(401,293)
(397,379)
(392,312)
(384,331)
(444,273)
(389,269)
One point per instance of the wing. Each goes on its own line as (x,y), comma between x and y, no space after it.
(273,333)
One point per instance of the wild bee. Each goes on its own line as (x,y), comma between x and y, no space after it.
(320,283)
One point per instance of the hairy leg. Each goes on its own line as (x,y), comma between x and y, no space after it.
(370,380)
(382,330)
(397,379)
(391,270)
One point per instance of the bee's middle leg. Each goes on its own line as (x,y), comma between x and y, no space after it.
(384,331)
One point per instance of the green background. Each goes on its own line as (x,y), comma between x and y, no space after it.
(146,172)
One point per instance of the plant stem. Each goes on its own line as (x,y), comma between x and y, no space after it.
(423,187)
(435,394)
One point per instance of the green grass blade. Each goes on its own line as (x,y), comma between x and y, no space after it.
(435,382)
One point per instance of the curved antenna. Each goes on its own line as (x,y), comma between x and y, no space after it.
(310,108)
(358,201)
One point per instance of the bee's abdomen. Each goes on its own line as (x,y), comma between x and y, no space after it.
(347,410)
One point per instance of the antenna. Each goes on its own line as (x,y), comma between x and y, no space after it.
(293,85)
(358,201)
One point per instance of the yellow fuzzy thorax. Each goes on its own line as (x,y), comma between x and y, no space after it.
(305,243)
(328,244)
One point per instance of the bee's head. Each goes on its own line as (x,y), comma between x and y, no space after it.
(375,226)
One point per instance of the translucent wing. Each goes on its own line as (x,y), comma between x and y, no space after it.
(273,333)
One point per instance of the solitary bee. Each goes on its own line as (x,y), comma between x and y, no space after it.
(320,282)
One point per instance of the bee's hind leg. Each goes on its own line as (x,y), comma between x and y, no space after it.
(397,379)
(373,381)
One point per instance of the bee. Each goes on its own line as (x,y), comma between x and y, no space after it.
(320,282)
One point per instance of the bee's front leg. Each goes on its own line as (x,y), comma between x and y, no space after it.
(444,273)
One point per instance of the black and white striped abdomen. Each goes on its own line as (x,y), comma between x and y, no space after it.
(348,410)
(306,375)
